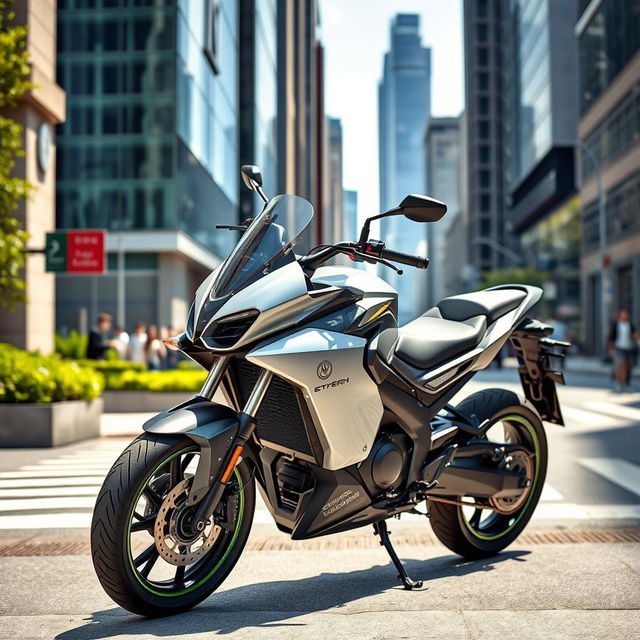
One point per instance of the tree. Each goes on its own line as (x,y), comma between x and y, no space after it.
(14,74)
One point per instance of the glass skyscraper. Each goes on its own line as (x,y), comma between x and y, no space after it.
(404,107)
(150,149)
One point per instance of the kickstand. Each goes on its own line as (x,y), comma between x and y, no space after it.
(380,529)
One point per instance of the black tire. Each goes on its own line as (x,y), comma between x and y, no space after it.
(449,523)
(111,529)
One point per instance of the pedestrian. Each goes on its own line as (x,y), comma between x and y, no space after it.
(137,344)
(154,349)
(121,342)
(99,343)
(623,348)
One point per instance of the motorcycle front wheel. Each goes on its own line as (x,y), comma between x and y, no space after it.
(144,552)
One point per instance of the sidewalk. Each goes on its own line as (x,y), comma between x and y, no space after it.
(537,591)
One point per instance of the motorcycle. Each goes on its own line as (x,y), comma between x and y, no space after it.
(341,418)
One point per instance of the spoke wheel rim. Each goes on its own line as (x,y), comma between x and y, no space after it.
(186,578)
(497,525)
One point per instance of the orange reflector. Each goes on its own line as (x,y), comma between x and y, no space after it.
(232,464)
(172,342)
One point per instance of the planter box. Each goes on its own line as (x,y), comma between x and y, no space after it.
(143,401)
(49,425)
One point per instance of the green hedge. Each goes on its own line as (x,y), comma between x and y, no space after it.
(30,377)
(155,380)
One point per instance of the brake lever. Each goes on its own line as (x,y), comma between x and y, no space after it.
(383,262)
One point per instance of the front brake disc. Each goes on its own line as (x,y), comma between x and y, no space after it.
(174,540)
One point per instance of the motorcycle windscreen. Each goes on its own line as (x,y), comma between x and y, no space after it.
(265,246)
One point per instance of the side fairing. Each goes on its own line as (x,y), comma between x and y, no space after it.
(343,400)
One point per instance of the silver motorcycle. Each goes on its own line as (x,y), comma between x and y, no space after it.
(341,418)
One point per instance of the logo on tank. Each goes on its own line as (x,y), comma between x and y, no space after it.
(324,369)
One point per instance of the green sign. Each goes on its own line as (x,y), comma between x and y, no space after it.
(56,251)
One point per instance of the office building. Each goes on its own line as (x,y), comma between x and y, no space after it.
(258,86)
(442,161)
(484,201)
(541,112)
(31,325)
(333,213)
(350,223)
(149,151)
(301,120)
(404,107)
(609,131)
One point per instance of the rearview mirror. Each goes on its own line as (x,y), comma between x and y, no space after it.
(252,178)
(422,208)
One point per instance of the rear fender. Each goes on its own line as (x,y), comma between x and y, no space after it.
(213,427)
(539,368)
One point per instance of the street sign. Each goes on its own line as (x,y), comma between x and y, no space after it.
(76,251)
(56,252)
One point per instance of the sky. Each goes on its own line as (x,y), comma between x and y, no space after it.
(355,34)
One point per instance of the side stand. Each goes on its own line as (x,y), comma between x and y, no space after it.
(380,529)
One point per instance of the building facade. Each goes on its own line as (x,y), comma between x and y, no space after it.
(333,203)
(609,131)
(301,121)
(404,107)
(31,325)
(442,162)
(149,151)
(350,222)
(541,113)
(484,200)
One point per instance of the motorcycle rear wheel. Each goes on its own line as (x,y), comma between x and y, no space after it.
(481,533)
(144,556)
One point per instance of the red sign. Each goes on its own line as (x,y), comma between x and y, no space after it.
(85,251)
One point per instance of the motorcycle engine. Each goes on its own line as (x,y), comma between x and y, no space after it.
(382,470)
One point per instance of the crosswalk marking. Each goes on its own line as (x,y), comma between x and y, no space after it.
(549,494)
(48,492)
(618,410)
(39,504)
(102,468)
(95,481)
(589,417)
(53,473)
(616,470)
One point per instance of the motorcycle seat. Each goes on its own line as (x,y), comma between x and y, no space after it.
(429,340)
(492,303)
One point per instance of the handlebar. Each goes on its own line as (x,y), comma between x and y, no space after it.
(405,258)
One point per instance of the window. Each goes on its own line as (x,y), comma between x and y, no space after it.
(482,32)
(485,203)
(484,154)
(212,34)
(485,178)
(483,56)
(483,106)
(483,81)
(110,79)
(483,130)
(483,8)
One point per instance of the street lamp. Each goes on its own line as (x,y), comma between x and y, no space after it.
(602,245)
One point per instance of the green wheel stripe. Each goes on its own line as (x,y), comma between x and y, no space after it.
(232,542)
(531,430)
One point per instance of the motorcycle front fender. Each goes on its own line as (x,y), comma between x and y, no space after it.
(213,427)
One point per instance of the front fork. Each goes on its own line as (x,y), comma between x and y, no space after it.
(213,487)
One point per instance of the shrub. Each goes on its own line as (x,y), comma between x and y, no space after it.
(155,380)
(30,377)
(73,346)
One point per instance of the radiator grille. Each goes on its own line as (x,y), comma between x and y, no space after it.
(279,417)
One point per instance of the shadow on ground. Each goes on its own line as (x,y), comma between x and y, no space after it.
(279,602)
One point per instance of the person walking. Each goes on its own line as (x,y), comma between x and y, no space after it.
(121,342)
(137,344)
(99,344)
(623,348)
(154,349)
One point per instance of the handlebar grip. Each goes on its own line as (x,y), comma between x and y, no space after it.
(405,258)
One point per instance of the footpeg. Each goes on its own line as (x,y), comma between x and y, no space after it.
(380,529)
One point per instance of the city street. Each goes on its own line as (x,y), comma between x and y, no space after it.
(575,571)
